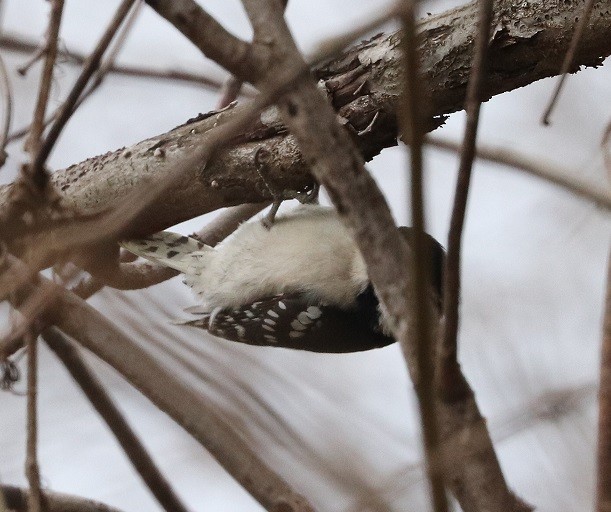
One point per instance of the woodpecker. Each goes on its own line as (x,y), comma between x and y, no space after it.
(302,284)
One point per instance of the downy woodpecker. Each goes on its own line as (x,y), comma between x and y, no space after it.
(302,284)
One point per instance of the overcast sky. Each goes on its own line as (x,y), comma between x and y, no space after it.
(534,271)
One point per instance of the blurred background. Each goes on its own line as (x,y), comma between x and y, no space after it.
(342,429)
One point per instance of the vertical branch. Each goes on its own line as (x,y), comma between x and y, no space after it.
(110,60)
(31,462)
(411,120)
(452,383)
(568,59)
(7,98)
(603,497)
(103,404)
(89,68)
(46,79)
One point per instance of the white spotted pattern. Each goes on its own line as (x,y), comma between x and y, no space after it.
(303,318)
(313,312)
(297,325)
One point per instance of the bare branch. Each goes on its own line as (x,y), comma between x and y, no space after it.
(50,53)
(7,100)
(452,384)
(569,58)
(16,499)
(236,56)
(103,404)
(333,157)
(358,93)
(89,68)
(603,493)
(598,194)
(31,462)
(411,120)
(189,409)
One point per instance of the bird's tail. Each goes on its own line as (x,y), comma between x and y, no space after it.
(173,250)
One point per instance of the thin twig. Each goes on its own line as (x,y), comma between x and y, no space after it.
(605,146)
(229,92)
(89,68)
(7,99)
(238,57)
(568,59)
(16,43)
(31,462)
(39,177)
(112,224)
(3,505)
(113,52)
(598,194)
(190,410)
(138,277)
(603,492)
(16,499)
(37,53)
(411,119)
(104,405)
(452,383)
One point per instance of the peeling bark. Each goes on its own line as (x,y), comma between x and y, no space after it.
(528,43)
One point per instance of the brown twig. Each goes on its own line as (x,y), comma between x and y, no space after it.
(7,100)
(90,66)
(128,276)
(17,500)
(411,120)
(39,176)
(229,92)
(113,52)
(113,224)
(137,275)
(83,323)
(568,59)
(189,409)
(605,145)
(236,56)
(478,482)
(16,43)
(603,489)
(31,461)
(104,405)
(452,385)
(598,194)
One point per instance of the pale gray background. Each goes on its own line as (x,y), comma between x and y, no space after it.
(534,270)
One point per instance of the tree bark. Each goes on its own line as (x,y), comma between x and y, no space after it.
(363,84)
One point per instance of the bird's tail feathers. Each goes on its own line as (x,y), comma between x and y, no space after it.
(173,250)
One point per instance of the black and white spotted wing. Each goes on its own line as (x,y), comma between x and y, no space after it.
(291,321)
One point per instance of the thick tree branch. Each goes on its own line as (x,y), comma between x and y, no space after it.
(333,158)
(361,83)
